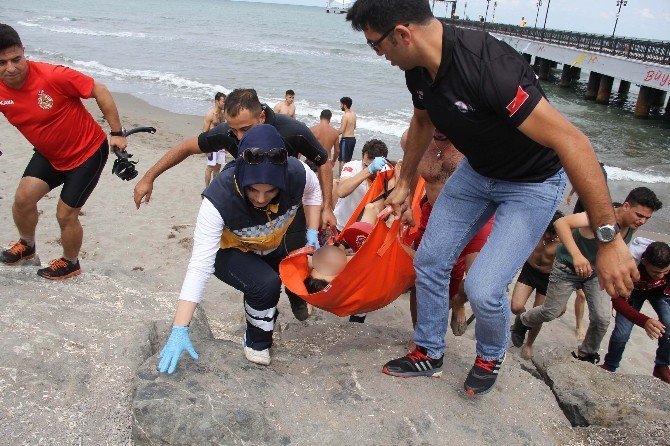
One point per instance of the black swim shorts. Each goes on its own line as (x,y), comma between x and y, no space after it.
(347,144)
(534,278)
(78,183)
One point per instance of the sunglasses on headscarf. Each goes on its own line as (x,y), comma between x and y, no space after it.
(256,155)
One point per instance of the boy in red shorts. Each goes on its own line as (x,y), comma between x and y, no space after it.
(43,102)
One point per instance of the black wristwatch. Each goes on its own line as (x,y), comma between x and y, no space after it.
(607,233)
(119,133)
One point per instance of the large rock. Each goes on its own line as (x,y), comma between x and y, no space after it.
(325,386)
(590,395)
(70,350)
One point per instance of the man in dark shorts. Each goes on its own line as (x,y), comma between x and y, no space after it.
(346,131)
(243,110)
(534,276)
(483,96)
(43,102)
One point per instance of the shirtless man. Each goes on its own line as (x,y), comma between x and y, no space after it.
(346,131)
(327,135)
(435,167)
(213,118)
(287,106)
(535,276)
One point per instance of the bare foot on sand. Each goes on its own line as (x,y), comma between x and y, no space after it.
(527,352)
(458,321)
(579,331)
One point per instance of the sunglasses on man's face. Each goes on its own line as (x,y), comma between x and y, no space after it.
(375,45)
(256,155)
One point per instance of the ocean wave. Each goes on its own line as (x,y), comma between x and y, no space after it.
(83,31)
(169,79)
(393,125)
(616,173)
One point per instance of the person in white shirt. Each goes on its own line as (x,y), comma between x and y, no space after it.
(239,235)
(356,177)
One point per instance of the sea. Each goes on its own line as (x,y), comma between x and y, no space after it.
(177,54)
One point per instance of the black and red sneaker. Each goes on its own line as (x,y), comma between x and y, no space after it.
(60,269)
(16,252)
(416,363)
(482,376)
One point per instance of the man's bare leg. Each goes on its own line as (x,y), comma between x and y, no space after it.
(458,320)
(520,296)
(580,303)
(527,349)
(412,312)
(211,172)
(208,175)
(24,210)
(71,232)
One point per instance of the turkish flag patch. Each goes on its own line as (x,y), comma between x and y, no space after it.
(517,102)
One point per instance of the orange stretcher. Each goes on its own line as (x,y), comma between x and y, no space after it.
(379,272)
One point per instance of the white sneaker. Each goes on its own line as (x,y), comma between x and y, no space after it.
(261,357)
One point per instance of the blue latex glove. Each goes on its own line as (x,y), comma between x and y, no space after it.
(313,238)
(377,164)
(178,341)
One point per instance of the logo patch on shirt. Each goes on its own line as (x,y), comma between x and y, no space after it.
(44,100)
(463,107)
(419,94)
(7,102)
(348,169)
(518,101)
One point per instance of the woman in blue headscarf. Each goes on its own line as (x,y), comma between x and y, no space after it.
(238,237)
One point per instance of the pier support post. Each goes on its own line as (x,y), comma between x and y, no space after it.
(644,100)
(659,98)
(605,89)
(575,73)
(592,86)
(624,87)
(536,64)
(545,69)
(566,76)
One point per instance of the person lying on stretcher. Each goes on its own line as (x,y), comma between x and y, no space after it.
(331,259)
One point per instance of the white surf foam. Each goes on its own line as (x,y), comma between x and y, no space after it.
(616,173)
(82,31)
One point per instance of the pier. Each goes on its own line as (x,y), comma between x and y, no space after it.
(630,61)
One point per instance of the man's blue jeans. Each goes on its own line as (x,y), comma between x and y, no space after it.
(468,199)
(623,328)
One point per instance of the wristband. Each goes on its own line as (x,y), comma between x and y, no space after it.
(119,133)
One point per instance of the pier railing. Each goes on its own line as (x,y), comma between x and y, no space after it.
(637,49)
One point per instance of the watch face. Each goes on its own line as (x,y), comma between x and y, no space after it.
(606,233)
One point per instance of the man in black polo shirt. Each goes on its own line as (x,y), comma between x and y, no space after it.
(243,110)
(485,98)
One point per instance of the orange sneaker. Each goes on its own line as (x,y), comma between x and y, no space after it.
(16,252)
(60,269)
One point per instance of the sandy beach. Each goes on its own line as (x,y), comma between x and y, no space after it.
(153,243)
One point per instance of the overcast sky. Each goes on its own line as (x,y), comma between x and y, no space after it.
(639,18)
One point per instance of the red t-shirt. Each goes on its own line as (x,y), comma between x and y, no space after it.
(48,111)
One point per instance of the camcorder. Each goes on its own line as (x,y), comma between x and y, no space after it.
(123,167)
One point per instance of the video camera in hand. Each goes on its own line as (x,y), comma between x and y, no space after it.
(123,167)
